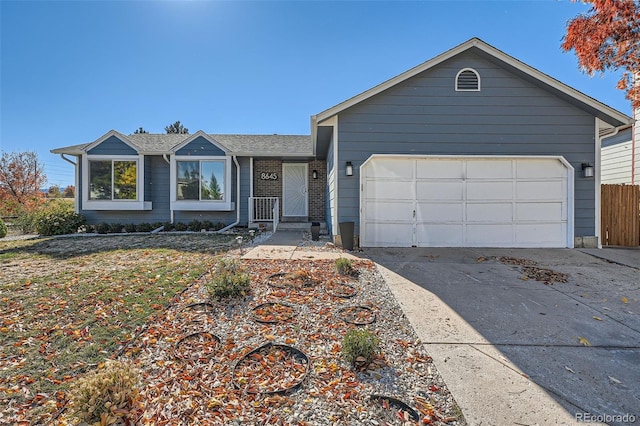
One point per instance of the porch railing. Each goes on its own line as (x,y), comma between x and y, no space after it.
(264,209)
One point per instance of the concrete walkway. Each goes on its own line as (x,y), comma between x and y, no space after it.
(287,245)
(627,256)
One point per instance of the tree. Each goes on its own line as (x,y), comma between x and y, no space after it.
(140,130)
(69,192)
(54,192)
(176,127)
(21,176)
(608,37)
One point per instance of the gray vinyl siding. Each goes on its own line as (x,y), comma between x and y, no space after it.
(157,190)
(112,146)
(200,146)
(425,115)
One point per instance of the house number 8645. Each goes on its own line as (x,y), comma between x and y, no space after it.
(269,176)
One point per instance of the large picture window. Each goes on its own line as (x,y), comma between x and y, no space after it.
(202,180)
(113,180)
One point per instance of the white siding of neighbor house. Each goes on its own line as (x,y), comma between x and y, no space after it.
(616,163)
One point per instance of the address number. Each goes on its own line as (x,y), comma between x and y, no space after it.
(269,176)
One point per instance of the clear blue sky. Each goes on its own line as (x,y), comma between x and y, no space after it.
(72,71)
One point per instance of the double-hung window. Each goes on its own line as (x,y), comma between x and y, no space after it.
(201,183)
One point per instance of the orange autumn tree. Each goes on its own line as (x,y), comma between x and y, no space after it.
(21,178)
(607,37)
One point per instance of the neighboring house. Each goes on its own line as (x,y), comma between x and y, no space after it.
(472,148)
(620,157)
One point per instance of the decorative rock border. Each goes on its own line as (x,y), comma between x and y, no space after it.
(397,410)
(264,357)
(205,338)
(271,315)
(340,289)
(297,280)
(358,315)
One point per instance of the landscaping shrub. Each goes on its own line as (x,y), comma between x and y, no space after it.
(3,229)
(57,217)
(130,227)
(230,279)
(144,227)
(360,346)
(219,226)
(344,266)
(181,227)
(115,228)
(195,225)
(102,228)
(207,224)
(106,396)
(168,226)
(156,225)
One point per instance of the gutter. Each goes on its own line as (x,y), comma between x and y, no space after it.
(226,228)
(67,160)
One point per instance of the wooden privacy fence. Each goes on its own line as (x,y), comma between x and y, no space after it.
(620,215)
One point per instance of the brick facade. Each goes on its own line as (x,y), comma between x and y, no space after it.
(273,188)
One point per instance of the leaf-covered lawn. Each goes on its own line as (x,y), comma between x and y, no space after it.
(67,304)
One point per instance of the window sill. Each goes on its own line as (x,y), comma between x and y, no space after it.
(202,206)
(117,205)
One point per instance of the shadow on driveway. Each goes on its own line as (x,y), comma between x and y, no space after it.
(478,312)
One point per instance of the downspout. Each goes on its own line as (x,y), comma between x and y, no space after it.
(76,182)
(164,156)
(235,160)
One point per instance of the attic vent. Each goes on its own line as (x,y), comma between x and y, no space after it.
(468,80)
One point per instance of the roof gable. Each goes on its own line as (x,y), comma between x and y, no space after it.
(200,143)
(112,143)
(596,108)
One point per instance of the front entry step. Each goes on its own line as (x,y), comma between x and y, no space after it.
(293,226)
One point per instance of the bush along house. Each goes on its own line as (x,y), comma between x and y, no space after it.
(472,148)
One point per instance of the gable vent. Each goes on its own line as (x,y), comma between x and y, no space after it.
(468,80)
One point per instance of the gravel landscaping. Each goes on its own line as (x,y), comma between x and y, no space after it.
(250,360)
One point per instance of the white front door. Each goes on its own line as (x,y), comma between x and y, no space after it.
(294,189)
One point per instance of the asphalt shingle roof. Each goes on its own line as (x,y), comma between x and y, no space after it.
(255,145)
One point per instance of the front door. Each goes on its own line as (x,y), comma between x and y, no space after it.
(294,189)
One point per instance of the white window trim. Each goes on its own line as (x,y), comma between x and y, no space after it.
(137,204)
(468,90)
(204,205)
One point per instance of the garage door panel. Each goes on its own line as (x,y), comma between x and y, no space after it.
(489,212)
(388,235)
(446,190)
(390,190)
(527,169)
(439,235)
(489,190)
(390,168)
(540,211)
(489,234)
(439,212)
(541,190)
(439,169)
(541,234)
(489,169)
(388,211)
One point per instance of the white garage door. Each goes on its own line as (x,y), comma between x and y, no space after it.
(466,202)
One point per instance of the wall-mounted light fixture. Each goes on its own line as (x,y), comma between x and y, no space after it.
(349,168)
(587,170)
(314,174)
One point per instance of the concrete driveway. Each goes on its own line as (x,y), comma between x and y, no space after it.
(517,351)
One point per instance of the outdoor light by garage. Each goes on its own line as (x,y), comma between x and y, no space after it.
(349,168)
(314,174)
(587,169)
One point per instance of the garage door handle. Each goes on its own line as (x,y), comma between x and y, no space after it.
(414,214)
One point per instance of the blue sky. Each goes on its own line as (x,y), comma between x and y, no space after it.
(72,71)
